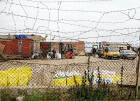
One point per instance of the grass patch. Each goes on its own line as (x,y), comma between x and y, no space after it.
(103,92)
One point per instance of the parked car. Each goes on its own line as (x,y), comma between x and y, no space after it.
(128,54)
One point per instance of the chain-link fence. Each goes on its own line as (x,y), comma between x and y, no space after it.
(67,73)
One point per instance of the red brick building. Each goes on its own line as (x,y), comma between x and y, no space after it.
(13,47)
(78,46)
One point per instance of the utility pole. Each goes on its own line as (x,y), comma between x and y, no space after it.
(0,94)
(137,72)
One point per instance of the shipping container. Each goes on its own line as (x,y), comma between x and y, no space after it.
(22,47)
(45,47)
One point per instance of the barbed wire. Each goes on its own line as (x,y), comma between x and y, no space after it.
(77,35)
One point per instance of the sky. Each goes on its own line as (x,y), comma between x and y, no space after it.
(73,20)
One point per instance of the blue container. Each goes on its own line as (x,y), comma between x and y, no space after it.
(21,37)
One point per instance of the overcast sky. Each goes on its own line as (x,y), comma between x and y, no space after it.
(88,20)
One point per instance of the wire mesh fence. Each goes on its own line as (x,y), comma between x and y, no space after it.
(44,73)
(66,73)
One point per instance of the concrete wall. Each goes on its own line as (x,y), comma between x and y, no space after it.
(55,45)
(117,45)
(79,46)
(37,39)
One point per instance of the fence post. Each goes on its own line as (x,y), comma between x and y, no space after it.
(88,63)
(122,69)
(88,67)
(99,76)
(122,75)
(137,74)
(0,94)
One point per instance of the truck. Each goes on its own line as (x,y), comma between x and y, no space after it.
(89,47)
(109,52)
